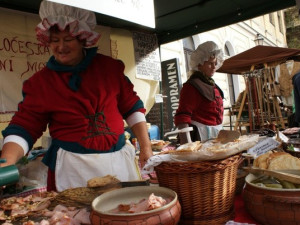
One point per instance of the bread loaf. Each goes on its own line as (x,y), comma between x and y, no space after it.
(277,161)
(189,147)
(102,181)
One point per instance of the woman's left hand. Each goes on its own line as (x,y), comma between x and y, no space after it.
(140,130)
(145,154)
(292,130)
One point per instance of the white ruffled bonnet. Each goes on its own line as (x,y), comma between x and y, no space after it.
(80,21)
(203,52)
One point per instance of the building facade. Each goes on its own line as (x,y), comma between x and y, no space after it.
(233,39)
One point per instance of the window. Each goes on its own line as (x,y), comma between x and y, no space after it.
(230,78)
(271,18)
(280,21)
(188,48)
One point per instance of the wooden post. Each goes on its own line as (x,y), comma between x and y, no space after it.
(275,101)
(241,108)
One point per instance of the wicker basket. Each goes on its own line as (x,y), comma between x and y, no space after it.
(205,189)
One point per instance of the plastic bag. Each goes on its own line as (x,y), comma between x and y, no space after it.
(212,150)
(33,175)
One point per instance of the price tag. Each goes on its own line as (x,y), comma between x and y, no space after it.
(283,137)
(159,98)
(263,147)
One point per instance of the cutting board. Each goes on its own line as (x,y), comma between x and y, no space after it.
(226,136)
(287,175)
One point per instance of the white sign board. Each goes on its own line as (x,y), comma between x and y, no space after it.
(283,137)
(136,11)
(263,147)
(146,55)
(159,98)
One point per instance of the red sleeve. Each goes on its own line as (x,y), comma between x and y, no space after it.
(31,114)
(129,101)
(189,101)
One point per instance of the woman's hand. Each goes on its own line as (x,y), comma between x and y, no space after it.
(292,130)
(140,130)
(11,153)
(145,154)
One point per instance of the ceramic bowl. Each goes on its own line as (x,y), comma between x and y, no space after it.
(271,205)
(169,214)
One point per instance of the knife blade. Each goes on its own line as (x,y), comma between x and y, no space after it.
(135,183)
(226,136)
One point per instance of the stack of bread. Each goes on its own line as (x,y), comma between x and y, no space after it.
(188,147)
(158,144)
(273,160)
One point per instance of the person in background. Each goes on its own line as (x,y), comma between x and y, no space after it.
(201,99)
(296,94)
(294,119)
(83,97)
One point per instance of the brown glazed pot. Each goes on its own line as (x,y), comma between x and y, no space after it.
(271,206)
(166,215)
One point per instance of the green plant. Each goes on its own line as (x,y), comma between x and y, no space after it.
(291,147)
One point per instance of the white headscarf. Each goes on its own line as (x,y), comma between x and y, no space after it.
(80,21)
(204,52)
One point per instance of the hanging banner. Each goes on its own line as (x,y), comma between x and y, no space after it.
(171,84)
(147,58)
(20,56)
(137,11)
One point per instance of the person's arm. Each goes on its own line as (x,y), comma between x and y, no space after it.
(12,152)
(141,132)
(183,137)
(188,103)
(293,130)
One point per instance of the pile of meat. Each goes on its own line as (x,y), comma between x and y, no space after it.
(33,210)
(153,202)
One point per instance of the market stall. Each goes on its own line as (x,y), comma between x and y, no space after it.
(202,177)
(180,19)
(37,205)
(268,73)
(205,178)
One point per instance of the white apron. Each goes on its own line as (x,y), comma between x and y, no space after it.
(74,170)
(207,132)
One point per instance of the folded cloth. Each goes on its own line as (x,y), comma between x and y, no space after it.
(236,223)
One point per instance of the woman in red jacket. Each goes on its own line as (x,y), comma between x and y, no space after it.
(201,99)
(83,97)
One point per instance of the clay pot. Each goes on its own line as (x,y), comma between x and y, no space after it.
(168,214)
(270,205)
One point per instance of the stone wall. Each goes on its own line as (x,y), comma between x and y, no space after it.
(292,21)
(154,117)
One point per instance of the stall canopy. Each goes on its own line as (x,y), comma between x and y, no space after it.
(257,57)
(177,19)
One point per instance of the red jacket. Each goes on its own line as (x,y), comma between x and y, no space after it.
(196,107)
(92,116)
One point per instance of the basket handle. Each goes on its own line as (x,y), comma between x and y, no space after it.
(281,199)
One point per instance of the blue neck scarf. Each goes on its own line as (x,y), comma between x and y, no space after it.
(75,80)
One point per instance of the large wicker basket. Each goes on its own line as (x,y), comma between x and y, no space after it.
(205,189)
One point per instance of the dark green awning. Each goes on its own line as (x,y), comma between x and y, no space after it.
(177,19)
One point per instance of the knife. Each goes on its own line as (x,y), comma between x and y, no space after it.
(226,136)
(135,183)
(295,172)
